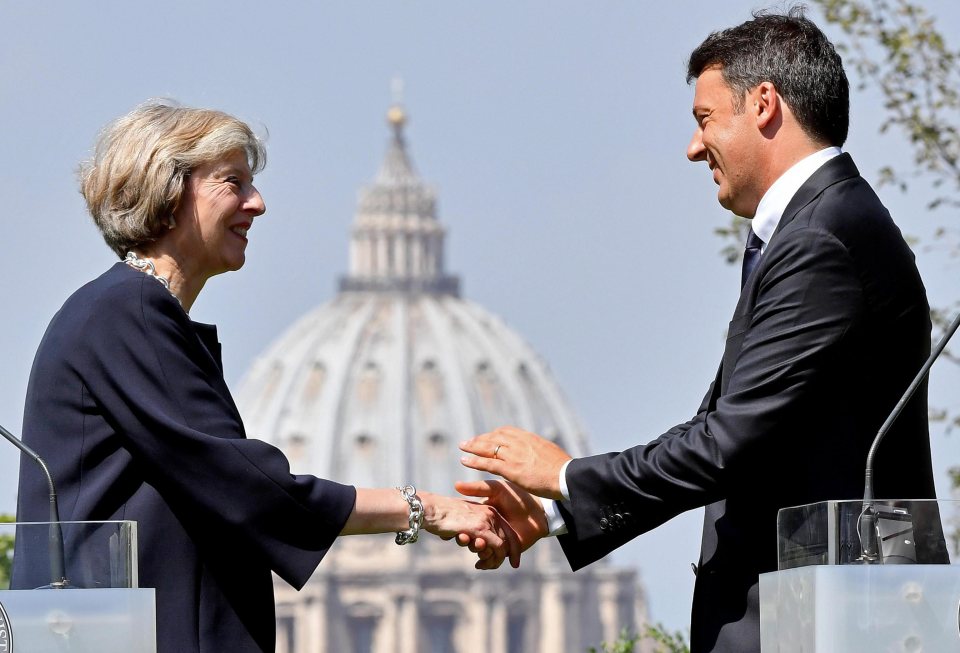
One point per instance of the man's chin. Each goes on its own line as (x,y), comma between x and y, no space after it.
(739,211)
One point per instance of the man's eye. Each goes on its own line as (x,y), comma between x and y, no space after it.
(234,181)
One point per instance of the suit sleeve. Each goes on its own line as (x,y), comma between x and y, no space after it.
(808,298)
(164,397)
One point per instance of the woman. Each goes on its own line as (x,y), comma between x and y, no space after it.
(128,405)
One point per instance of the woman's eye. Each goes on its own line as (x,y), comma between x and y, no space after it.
(234,181)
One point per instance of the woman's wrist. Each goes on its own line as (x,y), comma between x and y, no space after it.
(415,515)
(431,511)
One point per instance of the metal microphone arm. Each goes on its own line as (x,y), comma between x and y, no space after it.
(58,575)
(868,535)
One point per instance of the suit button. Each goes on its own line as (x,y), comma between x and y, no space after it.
(618,519)
(604,523)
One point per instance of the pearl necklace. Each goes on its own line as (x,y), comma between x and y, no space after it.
(146,266)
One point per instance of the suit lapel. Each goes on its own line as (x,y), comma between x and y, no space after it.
(833,171)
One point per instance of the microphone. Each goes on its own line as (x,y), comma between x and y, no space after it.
(879,524)
(58,574)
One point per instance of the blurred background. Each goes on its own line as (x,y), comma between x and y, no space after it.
(554,133)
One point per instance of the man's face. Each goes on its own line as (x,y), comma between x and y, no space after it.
(729,142)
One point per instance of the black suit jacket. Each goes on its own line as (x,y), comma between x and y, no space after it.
(128,406)
(827,334)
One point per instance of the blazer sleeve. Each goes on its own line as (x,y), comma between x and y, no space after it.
(165,398)
(807,299)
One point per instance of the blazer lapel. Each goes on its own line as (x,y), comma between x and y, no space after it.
(833,171)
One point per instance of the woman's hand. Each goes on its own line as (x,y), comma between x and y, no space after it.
(522,510)
(476,525)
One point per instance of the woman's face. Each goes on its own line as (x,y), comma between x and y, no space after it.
(217,209)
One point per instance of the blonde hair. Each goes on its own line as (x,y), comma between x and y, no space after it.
(135,179)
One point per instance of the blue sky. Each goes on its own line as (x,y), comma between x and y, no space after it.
(554,133)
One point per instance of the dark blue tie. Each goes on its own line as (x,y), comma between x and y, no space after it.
(751,256)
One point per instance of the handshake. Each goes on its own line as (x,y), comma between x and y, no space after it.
(509,517)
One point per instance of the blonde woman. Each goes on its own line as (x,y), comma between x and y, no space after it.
(128,404)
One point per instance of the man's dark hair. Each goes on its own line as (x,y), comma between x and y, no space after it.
(794,55)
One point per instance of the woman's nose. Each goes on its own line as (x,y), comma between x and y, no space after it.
(254,203)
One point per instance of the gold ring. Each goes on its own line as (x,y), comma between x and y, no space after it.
(497,450)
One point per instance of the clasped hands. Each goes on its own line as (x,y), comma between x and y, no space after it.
(531,466)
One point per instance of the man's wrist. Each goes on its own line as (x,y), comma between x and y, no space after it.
(555,523)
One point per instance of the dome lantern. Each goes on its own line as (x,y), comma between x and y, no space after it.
(397,243)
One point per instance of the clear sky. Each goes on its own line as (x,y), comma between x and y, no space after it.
(554,132)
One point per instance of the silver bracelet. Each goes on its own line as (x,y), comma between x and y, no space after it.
(409,493)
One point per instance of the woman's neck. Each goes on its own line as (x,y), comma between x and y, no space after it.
(184,285)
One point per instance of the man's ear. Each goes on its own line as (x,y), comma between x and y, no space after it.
(766,104)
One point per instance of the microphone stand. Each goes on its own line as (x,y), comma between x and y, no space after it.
(867,522)
(58,577)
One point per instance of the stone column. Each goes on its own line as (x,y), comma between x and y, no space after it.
(407,624)
(608,593)
(382,259)
(552,616)
(311,620)
(416,254)
(477,611)
(498,625)
(400,265)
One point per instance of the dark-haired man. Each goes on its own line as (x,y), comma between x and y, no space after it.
(831,325)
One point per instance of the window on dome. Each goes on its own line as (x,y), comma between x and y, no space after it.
(315,380)
(495,405)
(296,444)
(428,387)
(365,443)
(270,384)
(368,385)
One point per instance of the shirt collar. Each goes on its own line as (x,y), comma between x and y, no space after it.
(775,200)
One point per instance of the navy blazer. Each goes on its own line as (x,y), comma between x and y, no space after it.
(828,333)
(127,404)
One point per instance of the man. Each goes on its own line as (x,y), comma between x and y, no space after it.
(831,326)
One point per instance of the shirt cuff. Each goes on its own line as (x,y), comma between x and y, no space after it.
(554,519)
(564,490)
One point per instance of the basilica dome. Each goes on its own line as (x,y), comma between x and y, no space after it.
(376,388)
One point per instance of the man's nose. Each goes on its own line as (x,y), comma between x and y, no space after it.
(695,150)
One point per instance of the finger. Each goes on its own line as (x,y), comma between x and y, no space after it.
(489,564)
(492,465)
(485,489)
(496,558)
(513,544)
(483,565)
(463,539)
(499,547)
(482,445)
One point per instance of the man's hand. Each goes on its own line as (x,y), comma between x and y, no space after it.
(476,525)
(521,509)
(519,456)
